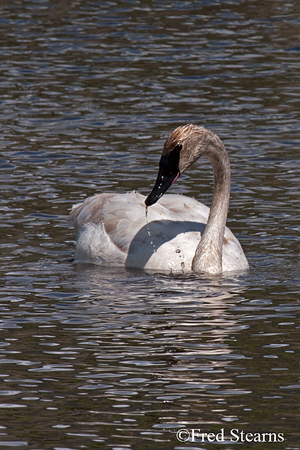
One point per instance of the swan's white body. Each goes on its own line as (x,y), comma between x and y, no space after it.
(113,229)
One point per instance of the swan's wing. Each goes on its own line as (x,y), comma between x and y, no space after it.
(90,211)
(105,224)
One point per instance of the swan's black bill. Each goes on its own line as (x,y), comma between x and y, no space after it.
(164,180)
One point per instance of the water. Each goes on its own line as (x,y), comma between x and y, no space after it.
(120,359)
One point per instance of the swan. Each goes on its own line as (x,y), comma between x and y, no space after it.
(173,233)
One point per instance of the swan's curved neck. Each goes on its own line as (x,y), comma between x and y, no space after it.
(208,256)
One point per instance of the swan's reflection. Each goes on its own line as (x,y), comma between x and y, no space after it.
(181,315)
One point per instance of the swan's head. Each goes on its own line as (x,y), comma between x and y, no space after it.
(182,148)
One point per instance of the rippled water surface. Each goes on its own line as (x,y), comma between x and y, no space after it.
(117,359)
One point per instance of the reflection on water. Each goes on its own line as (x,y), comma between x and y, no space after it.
(123,359)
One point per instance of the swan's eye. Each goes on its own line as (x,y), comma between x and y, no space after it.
(178,147)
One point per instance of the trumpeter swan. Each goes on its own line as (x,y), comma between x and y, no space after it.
(178,233)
